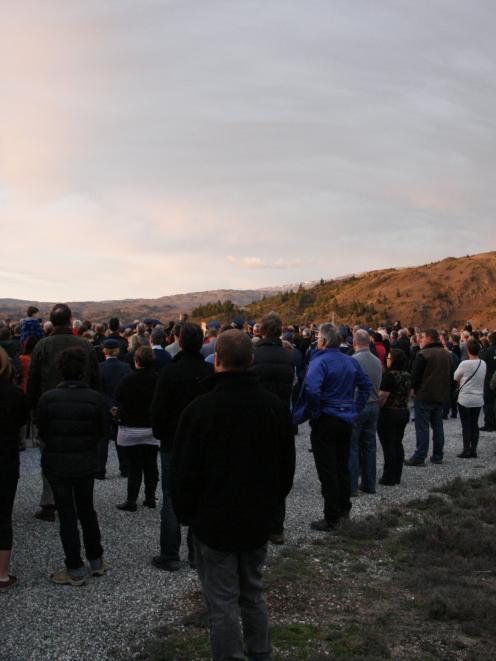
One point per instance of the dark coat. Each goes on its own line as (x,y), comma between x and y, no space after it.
(71,420)
(112,371)
(233,463)
(162,358)
(432,374)
(13,415)
(134,396)
(43,375)
(178,385)
(274,367)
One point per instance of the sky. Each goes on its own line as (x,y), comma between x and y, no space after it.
(155,147)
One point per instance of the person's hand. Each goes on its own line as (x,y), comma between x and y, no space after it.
(113,411)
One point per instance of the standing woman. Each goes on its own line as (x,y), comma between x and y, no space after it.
(134,396)
(13,415)
(394,415)
(470,376)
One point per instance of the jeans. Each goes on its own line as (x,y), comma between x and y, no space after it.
(428,413)
(170,530)
(330,438)
(8,486)
(363,448)
(391,429)
(141,463)
(469,417)
(232,585)
(74,500)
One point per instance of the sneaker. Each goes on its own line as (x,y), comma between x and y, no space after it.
(277,538)
(45,514)
(127,507)
(63,577)
(322,525)
(435,461)
(98,567)
(9,583)
(148,502)
(414,462)
(165,565)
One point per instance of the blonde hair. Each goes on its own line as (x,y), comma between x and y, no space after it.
(5,365)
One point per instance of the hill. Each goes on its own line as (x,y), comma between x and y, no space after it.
(441,293)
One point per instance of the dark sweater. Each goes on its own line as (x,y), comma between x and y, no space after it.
(179,383)
(71,420)
(233,463)
(274,367)
(134,396)
(13,415)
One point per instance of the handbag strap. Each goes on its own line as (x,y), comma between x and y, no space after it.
(470,377)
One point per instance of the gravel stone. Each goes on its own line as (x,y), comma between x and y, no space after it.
(44,622)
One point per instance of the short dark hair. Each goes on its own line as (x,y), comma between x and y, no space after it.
(191,338)
(61,315)
(473,347)
(5,333)
(432,333)
(144,356)
(234,350)
(32,309)
(114,324)
(71,363)
(271,325)
(399,360)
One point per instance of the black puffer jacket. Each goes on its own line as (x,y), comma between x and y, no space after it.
(274,367)
(13,415)
(134,396)
(233,463)
(71,420)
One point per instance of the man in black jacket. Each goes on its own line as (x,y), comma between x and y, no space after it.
(233,463)
(179,384)
(488,355)
(71,421)
(43,375)
(275,370)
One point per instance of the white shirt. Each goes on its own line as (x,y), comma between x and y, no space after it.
(472,394)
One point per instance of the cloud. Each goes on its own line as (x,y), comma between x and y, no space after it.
(258,263)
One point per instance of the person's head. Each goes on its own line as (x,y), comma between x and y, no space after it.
(5,333)
(6,370)
(143,357)
(32,310)
(361,340)
(429,336)
(47,327)
(191,338)
(271,325)
(455,339)
(110,347)
(100,329)
(114,324)
(60,316)
(286,344)
(77,324)
(473,348)
(397,360)
(233,351)
(71,363)
(329,337)
(403,332)
(378,337)
(257,330)
(30,344)
(157,335)
(141,328)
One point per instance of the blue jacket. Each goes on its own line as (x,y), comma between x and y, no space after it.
(329,388)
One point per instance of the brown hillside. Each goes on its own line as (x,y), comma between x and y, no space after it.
(439,294)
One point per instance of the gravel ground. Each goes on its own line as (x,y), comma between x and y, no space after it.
(45,622)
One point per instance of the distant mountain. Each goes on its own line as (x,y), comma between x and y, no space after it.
(442,293)
(164,308)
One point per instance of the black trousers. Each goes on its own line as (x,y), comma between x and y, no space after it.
(330,438)
(74,500)
(102,451)
(9,476)
(391,429)
(141,463)
(469,418)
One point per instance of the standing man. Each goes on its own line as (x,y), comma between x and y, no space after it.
(275,370)
(44,375)
(363,438)
(489,357)
(233,463)
(178,384)
(328,400)
(432,374)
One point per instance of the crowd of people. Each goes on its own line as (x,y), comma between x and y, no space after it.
(221,405)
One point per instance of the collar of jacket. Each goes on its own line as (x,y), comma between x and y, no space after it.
(269,342)
(188,355)
(233,379)
(62,330)
(72,384)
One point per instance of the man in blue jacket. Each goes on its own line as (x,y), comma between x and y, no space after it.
(336,389)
